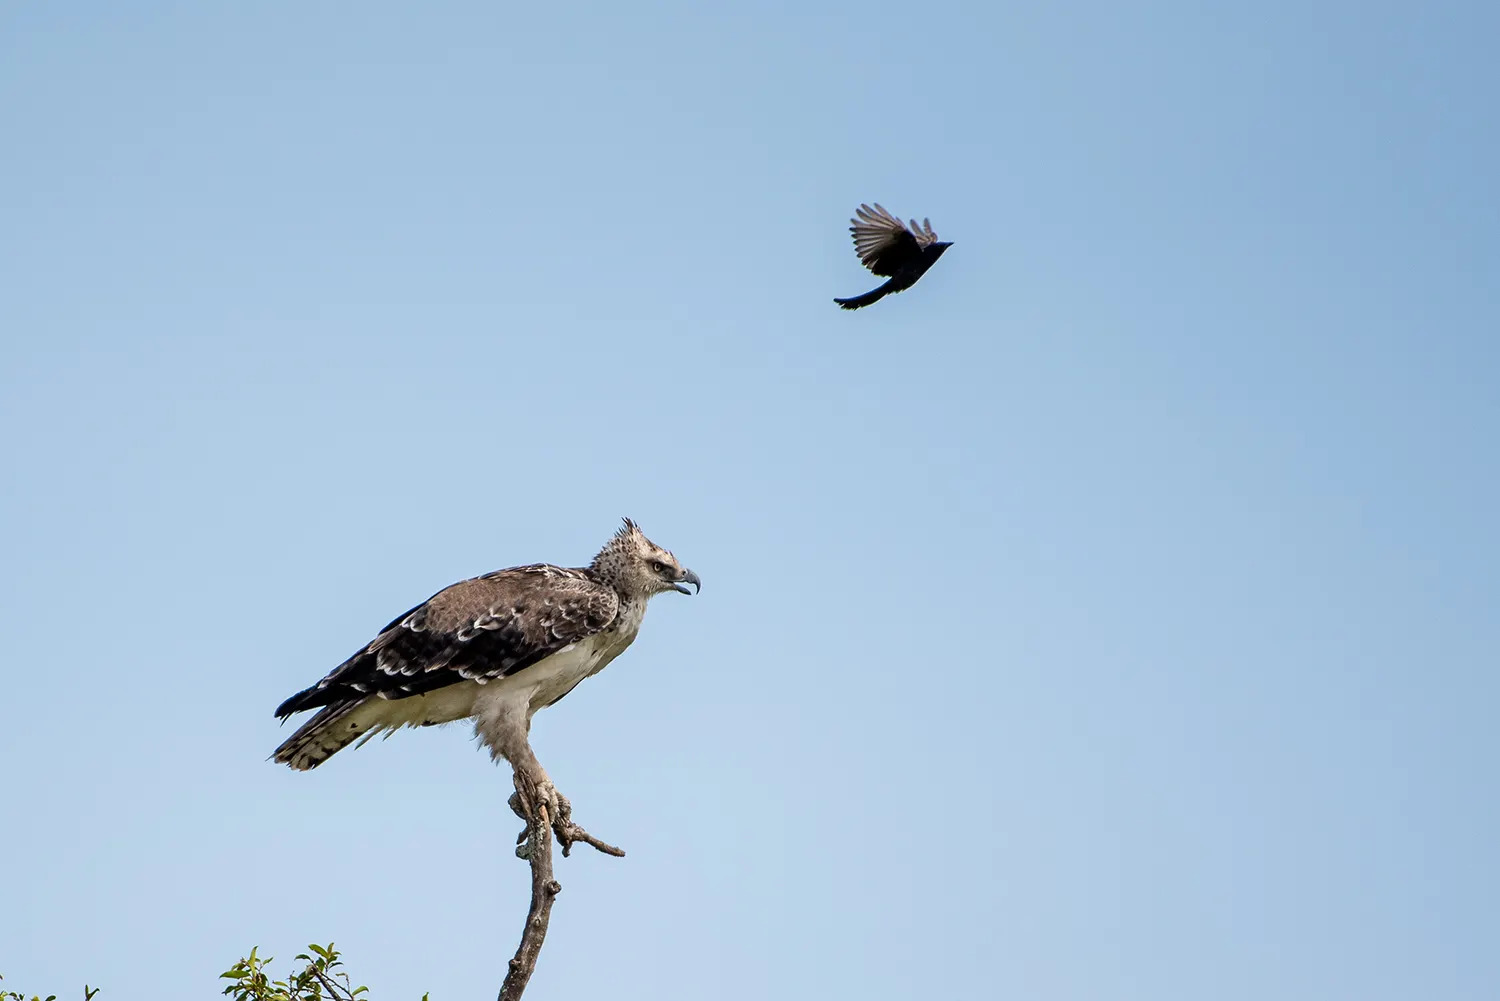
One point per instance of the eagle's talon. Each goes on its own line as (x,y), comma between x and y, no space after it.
(547,802)
(562,810)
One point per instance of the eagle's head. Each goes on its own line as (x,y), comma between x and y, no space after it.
(638,567)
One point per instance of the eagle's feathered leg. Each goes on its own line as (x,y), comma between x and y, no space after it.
(503,724)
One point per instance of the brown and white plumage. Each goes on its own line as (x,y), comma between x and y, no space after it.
(494,648)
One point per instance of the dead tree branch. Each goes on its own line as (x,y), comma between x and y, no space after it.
(535,845)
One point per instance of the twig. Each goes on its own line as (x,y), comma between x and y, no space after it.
(328,985)
(569,833)
(536,847)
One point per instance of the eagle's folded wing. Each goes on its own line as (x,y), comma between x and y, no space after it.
(476,630)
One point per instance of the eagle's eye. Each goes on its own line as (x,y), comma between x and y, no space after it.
(658,566)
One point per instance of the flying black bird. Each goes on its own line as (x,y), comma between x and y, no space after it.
(892,250)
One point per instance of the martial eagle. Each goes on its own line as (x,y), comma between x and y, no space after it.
(495,649)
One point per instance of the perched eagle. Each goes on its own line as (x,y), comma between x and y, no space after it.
(495,649)
(891,250)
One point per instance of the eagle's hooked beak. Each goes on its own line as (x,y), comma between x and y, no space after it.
(688,577)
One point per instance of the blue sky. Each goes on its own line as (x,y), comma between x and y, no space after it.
(1112,616)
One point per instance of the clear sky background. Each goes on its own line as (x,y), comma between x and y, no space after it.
(1112,616)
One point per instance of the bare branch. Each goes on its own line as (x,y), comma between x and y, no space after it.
(570,833)
(544,889)
(535,845)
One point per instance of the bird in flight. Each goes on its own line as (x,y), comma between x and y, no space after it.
(494,649)
(892,250)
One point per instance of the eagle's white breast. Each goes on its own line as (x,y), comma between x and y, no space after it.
(524,692)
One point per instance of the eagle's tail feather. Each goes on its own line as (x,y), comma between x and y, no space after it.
(329,731)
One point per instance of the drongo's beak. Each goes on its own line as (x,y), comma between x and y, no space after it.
(688,577)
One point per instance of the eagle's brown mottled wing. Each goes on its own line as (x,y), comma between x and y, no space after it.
(478,629)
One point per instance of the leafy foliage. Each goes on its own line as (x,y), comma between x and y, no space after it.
(321,978)
(88,995)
